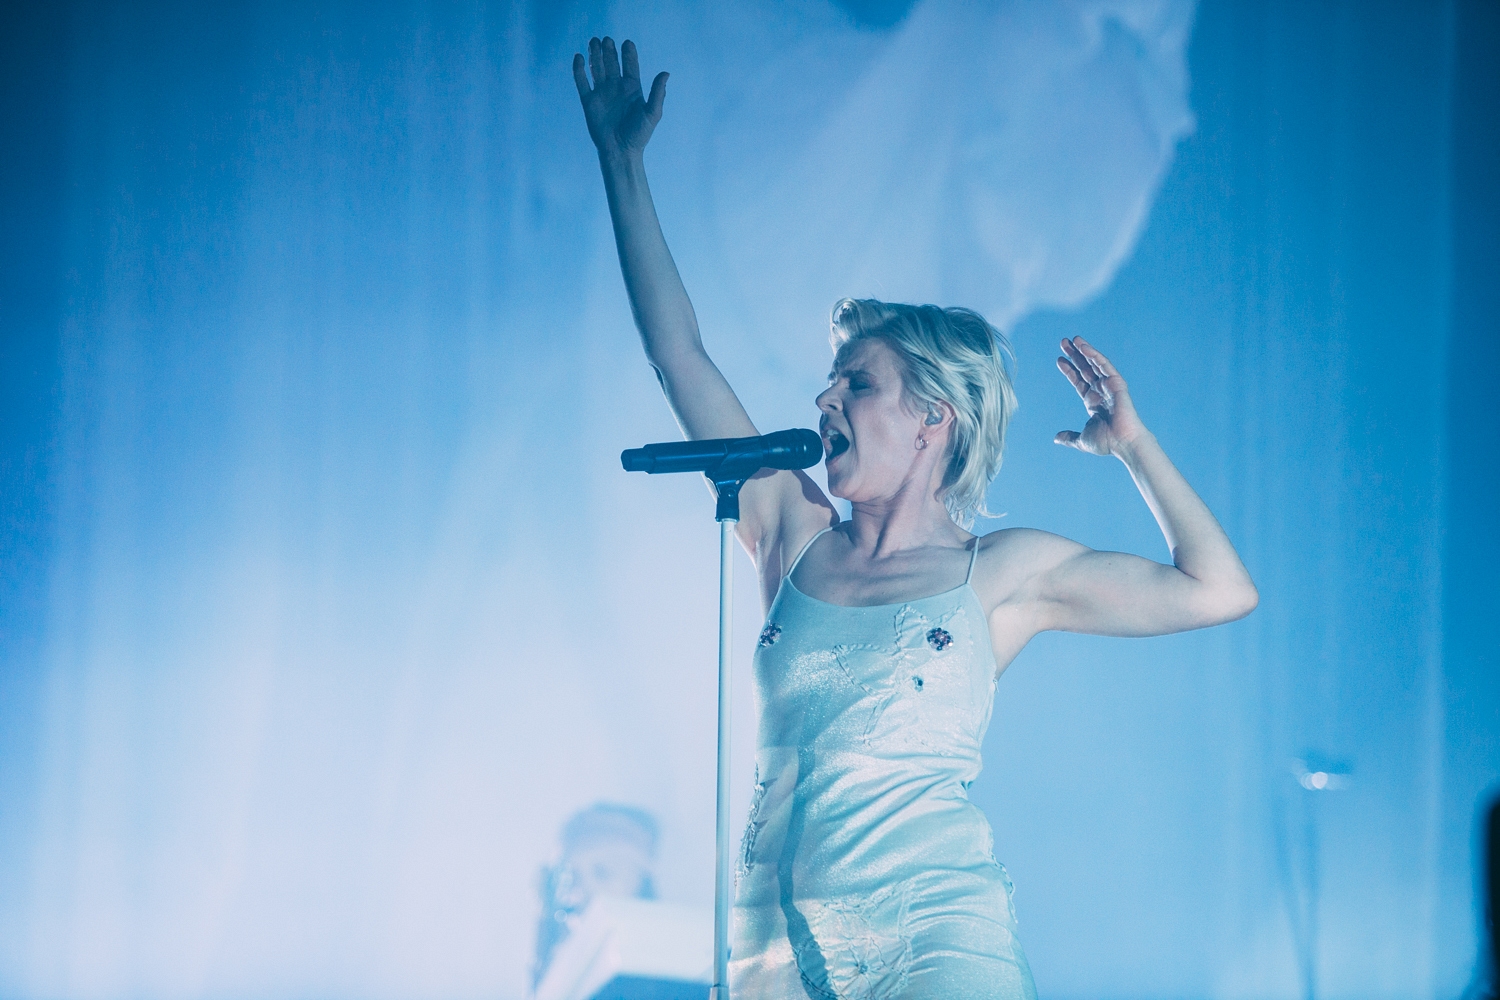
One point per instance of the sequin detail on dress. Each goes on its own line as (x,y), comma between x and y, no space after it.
(770,634)
(939,639)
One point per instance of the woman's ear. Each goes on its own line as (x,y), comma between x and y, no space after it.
(938,413)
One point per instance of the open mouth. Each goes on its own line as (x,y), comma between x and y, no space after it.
(837,444)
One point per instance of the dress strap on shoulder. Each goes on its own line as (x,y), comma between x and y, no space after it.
(802,553)
(973,558)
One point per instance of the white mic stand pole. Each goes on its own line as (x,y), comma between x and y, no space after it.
(727,513)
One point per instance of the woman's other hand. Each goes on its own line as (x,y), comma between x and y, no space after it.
(1113,423)
(620,121)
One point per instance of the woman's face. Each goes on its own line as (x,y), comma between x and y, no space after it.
(869,434)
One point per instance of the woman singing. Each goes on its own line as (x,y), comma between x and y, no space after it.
(864,870)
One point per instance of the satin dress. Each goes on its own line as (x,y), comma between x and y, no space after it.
(865,873)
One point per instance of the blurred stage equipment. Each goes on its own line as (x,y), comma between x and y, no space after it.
(727,462)
(608,849)
(1315,773)
(1492,908)
(631,949)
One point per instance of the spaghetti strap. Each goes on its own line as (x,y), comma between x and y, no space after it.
(973,558)
(793,567)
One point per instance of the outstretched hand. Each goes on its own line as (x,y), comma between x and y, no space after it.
(619,119)
(1113,423)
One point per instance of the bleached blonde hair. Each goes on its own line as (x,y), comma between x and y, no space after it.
(951,356)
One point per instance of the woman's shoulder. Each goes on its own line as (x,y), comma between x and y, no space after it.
(1009,558)
(1017,540)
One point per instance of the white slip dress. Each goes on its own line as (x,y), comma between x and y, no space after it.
(865,873)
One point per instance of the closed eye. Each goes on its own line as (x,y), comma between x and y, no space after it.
(858,380)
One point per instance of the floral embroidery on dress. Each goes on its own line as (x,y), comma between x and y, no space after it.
(860,947)
(916,707)
(770,634)
(752,830)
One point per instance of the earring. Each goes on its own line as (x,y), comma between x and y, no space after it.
(921,443)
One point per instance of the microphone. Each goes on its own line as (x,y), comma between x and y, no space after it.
(724,459)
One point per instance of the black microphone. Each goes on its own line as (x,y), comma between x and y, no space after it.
(728,458)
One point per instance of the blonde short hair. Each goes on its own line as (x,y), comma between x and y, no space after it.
(951,356)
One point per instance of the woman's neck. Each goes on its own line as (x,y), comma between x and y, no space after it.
(907,520)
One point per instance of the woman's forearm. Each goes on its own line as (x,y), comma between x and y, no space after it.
(1199,546)
(620,121)
(702,401)
(663,313)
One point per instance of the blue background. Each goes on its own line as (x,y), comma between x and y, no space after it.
(323,602)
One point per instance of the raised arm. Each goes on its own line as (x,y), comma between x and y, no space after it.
(620,121)
(776,510)
(1076,589)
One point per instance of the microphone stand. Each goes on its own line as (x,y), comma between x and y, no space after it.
(727,513)
(728,463)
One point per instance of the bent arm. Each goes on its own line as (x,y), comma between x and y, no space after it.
(1077,589)
(1113,593)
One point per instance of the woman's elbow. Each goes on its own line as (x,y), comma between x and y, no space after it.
(1237,601)
(1223,603)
